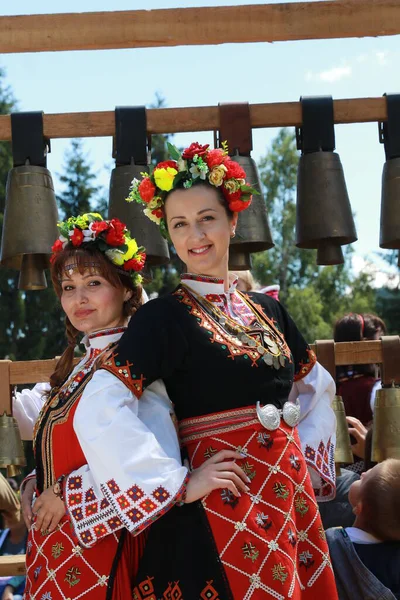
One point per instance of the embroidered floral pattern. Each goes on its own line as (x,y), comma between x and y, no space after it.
(279,572)
(229,498)
(265,440)
(250,551)
(322,460)
(306,365)
(263,521)
(306,559)
(301,505)
(281,490)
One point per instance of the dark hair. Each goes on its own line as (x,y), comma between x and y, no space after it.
(355,327)
(218,190)
(84,259)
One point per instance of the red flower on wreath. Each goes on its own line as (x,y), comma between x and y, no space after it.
(165,164)
(57,246)
(235,171)
(135,264)
(147,189)
(76,237)
(98,226)
(194,148)
(215,157)
(157,212)
(115,234)
(239,205)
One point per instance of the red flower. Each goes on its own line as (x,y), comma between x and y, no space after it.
(157,212)
(165,164)
(77,237)
(235,171)
(57,246)
(115,234)
(98,226)
(216,157)
(194,148)
(147,189)
(239,205)
(135,264)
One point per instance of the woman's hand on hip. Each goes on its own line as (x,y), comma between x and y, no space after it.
(49,509)
(218,472)
(26,501)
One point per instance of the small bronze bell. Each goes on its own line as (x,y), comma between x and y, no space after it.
(11,449)
(323,213)
(30,224)
(386,424)
(145,232)
(343,452)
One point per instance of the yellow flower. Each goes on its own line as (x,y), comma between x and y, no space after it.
(217,175)
(164,178)
(132,249)
(116,256)
(232,185)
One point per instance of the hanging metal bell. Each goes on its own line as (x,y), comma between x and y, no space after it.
(145,232)
(390,205)
(386,424)
(343,451)
(30,224)
(11,449)
(252,232)
(323,213)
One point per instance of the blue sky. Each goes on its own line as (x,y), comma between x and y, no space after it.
(205,75)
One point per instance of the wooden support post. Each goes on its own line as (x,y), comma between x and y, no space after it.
(5,387)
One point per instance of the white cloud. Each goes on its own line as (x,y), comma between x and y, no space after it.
(330,75)
(381,57)
(382,274)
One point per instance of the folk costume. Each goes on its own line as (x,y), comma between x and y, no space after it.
(219,354)
(90,555)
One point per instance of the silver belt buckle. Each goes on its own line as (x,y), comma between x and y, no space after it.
(270,416)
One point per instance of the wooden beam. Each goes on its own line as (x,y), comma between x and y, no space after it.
(13,564)
(346,353)
(199,26)
(5,389)
(201,118)
(358,353)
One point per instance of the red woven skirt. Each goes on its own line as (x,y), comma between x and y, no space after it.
(270,540)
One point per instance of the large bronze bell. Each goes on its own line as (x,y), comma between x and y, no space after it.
(11,450)
(390,205)
(142,229)
(323,213)
(252,232)
(30,224)
(343,451)
(386,424)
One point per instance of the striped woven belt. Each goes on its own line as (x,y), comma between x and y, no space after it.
(269,416)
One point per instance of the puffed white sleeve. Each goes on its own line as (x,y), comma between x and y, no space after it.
(27,406)
(134,472)
(317,428)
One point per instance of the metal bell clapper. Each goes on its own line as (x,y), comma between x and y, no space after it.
(324,219)
(252,232)
(343,451)
(132,158)
(386,424)
(11,449)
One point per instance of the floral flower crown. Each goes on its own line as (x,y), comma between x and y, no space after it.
(110,237)
(196,164)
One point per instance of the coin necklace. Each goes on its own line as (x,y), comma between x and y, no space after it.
(271,351)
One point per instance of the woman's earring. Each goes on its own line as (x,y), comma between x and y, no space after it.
(233,233)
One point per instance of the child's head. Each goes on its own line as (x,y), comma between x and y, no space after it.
(375,499)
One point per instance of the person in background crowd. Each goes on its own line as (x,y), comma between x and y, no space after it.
(13,534)
(366,557)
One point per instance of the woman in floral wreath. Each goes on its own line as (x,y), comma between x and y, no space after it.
(96,274)
(242,380)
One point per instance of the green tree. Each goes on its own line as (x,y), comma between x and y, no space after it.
(80,195)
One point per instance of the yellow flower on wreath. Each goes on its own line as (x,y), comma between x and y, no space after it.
(132,249)
(164,178)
